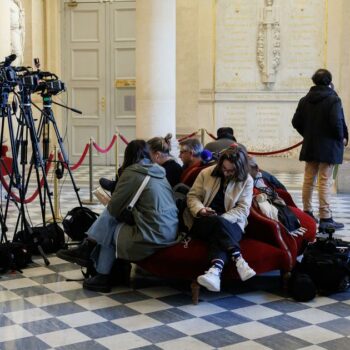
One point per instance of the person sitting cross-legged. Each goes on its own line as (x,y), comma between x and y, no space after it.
(154,226)
(218,207)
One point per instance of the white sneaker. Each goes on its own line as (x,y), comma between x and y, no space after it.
(210,280)
(243,269)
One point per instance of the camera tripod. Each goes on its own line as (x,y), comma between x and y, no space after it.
(26,132)
(47,118)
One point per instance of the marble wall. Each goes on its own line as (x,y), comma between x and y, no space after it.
(249,63)
(264,60)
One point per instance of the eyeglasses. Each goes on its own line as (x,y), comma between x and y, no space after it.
(183,151)
(228,171)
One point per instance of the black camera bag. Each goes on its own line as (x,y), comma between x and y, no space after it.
(78,221)
(327,262)
(14,256)
(49,237)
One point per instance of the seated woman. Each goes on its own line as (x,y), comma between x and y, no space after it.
(219,203)
(154,214)
(159,149)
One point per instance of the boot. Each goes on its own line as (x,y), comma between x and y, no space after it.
(79,255)
(106,184)
(98,283)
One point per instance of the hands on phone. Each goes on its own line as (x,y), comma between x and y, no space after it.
(207,211)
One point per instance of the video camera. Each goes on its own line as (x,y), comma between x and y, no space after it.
(8,76)
(50,84)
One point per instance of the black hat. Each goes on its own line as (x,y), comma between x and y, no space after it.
(225,133)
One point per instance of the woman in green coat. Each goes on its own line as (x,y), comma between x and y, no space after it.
(154,217)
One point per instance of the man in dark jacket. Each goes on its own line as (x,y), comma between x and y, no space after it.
(224,140)
(319,118)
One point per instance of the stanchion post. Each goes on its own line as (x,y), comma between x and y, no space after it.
(116,153)
(202,136)
(91,176)
(56,204)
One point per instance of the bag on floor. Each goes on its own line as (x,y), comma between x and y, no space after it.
(78,221)
(49,237)
(327,262)
(14,256)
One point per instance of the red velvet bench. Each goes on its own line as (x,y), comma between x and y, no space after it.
(187,263)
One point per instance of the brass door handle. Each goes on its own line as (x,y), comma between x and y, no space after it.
(103,104)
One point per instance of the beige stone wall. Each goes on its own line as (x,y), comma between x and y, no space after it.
(186,65)
(196,51)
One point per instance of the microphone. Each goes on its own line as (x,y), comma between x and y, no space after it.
(9,59)
(206,156)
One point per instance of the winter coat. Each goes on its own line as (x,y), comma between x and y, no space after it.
(155,213)
(218,145)
(319,119)
(238,197)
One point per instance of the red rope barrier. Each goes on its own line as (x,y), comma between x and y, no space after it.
(210,134)
(105,150)
(80,161)
(188,136)
(36,192)
(275,152)
(123,139)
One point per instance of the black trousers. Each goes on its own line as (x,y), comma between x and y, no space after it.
(221,235)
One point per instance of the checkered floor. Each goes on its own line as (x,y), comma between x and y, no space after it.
(41,310)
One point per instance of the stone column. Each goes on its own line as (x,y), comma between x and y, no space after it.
(5,42)
(155,68)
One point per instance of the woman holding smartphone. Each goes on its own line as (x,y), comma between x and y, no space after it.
(218,207)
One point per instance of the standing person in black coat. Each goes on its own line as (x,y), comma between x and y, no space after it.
(319,119)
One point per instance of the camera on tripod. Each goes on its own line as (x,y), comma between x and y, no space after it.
(8,76)
(27,79)
(50,84)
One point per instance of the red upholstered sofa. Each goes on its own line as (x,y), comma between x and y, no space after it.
(266,246)
(6,162)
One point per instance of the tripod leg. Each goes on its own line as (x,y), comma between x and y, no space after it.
(65,158)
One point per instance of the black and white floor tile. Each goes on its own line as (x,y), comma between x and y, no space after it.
(39,309)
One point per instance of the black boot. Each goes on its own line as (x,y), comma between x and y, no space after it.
(79,255)
(106,184)
(98,283)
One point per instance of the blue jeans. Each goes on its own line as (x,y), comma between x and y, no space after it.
(104,232)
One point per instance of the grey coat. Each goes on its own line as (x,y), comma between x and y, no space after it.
(155,213)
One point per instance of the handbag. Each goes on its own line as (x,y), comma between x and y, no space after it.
(126,214)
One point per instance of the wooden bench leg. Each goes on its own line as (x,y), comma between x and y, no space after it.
(195,287)
(285,279)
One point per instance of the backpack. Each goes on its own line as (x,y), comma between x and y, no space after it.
(327,262)
(49,237)
(300,285)
(78,221)
(14,256)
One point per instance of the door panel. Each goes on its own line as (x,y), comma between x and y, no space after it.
(99,49)
(86,76)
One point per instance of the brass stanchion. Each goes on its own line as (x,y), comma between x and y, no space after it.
(116,153)
(202,136)
(56,202)
(91,178)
